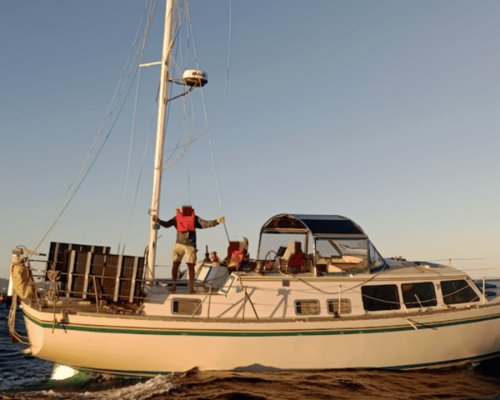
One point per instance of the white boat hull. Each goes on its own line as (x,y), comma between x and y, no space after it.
(148,346)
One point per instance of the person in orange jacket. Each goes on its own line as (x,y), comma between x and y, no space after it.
(186,222)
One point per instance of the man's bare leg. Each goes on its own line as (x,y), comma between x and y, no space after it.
(175,273)
(191,277)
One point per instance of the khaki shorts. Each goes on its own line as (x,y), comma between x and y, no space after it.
(181,250)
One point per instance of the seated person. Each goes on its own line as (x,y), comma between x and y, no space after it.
(214,258)
(239,258)
(237,254)
(294,258)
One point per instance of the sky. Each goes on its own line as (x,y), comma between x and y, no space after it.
(382,111)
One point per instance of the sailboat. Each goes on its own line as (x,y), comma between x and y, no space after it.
(318,295)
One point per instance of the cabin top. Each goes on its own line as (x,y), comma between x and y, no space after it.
(317,225)
(322,244)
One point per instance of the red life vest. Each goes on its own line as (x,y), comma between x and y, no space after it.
(296,260)
(186,220)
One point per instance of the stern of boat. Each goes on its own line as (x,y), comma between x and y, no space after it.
(34,331)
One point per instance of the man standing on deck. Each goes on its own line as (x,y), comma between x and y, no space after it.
(186,222)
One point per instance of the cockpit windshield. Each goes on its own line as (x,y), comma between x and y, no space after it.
(273,245)
(342,254)
(347,254)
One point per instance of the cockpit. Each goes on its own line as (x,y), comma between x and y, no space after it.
(319,244)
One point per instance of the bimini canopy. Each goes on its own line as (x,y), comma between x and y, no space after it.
(317,225)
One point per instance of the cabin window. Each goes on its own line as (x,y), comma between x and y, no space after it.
(459,291)
(420,294)
(203,273)
(186,306)
(307,307)
(227,285)
(333,306)
(380,297)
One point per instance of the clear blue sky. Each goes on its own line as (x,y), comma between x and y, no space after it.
(383,111)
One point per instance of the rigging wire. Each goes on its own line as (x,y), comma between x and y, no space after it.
(209,124)
(185,146)
(173,157)
(139,178)
(129,162)
(106,127)
(146,147)
(129,159)
(144,40)
(189,187)
(113,112)
(170,160)
(188,124)
(151,132)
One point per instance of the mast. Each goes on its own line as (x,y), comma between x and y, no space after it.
(160,138)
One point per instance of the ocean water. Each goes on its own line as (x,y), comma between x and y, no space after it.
(29,378)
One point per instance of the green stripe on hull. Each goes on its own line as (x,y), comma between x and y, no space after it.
(458,361)
(248,333)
